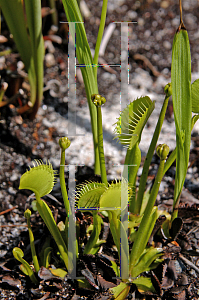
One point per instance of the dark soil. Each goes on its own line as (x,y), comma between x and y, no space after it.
(22,140)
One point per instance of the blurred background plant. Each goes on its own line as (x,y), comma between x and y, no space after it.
(25,24)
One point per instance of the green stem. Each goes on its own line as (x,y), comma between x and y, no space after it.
(149,156)
(32,246)
(170,161)
(62,182)
(54,13)
(154,190)
(145,228)
(99,37)
(175,208)
(100,145)
(66,200)
(47,216)
(124,256)
(133,160)
(95,233)
(85,59)
(92,88)
(115,229)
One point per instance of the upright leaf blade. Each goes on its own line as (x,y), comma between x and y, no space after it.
(34,21)
(84,58)
(14,16)
(24,23)
(182,106)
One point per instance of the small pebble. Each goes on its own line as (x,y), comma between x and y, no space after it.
(50,60)
(11,191)
(165,4)
(14,177)
(141,22)
(132,15)
(167,45)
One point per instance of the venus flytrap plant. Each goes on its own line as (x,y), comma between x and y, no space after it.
(129,127)
(18,253)
(99,196)
(135,123)
(128,130)
(143,258)
(45,254)
(87,198)
(40,180)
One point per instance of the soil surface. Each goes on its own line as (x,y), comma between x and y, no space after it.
(23,140)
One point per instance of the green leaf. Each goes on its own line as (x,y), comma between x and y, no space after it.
(134,220)
(148,159)
(132,121)
(115,231)
(47,216)
(121,291)
(18,254)
(97,246)
(97,195)
(24,22)
(182,107)
(115,268)
(42,253)
(142,237)
(145,260)
(84,284)
(23,269)
(95,233)
(144,284)
(47,256)
(111,198)
(195,96)
(88,194)
(194,120)
(15,18)
(40,179)
(58,272)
